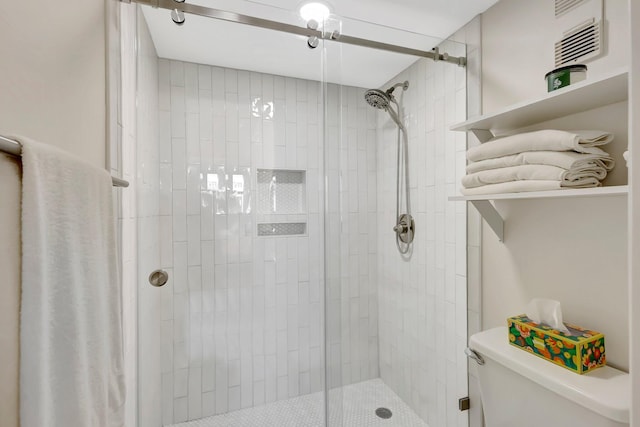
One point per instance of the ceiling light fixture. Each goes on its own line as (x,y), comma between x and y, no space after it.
(314,11)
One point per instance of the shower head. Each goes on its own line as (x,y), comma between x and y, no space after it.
(382,100)
(377,98)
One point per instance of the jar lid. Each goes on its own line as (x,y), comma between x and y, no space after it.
(575,67)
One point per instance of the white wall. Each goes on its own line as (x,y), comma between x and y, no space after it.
(123,164)
(140,217)
(133,122)
(147,179)
(53,78)
(634,212)
(571,250)
(52,90)
(518,45)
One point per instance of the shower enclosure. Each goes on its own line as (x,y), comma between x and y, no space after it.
(270,200)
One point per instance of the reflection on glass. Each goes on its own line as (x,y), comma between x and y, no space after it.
(260,109)
(212,182)
(272,194)
(238,183)
(238,191)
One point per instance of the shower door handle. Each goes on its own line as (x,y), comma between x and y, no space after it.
(158,278)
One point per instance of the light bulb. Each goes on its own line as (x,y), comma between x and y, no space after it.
(314,10)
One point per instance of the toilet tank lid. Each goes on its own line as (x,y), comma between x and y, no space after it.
(605,390)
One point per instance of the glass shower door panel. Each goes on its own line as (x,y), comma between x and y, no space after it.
(242,326)
(396,323)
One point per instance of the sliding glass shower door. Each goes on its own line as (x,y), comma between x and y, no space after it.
(396,312)
(241,226)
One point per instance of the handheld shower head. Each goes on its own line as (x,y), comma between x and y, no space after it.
(382,100)
(377,98)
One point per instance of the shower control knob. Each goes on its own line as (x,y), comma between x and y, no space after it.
(405,228)
(399,228)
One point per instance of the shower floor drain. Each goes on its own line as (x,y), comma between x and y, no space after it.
(384,413)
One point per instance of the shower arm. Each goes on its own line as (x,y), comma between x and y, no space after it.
(404,85)
(294,29)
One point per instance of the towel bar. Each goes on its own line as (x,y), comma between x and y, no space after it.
(13,147)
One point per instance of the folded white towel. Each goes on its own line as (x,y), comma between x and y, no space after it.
(566,178)
(543,140)
(71,359)
(512,187)
(569,160)
(581,176)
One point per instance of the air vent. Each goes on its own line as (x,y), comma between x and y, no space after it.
(581,43)
(564,6)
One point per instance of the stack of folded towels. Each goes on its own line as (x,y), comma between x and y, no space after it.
(538,161)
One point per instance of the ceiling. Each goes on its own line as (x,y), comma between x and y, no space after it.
(209,41)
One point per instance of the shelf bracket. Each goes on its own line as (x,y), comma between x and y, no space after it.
(491,216)
(483,135)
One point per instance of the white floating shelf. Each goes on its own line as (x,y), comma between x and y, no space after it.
(494,219)
(583,96)
(593,93)
(578,192)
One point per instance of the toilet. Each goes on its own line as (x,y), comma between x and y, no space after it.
(519,389)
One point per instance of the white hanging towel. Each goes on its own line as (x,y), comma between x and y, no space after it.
(71,349)
(582,141)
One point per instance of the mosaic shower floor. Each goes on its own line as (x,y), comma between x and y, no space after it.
(359,404)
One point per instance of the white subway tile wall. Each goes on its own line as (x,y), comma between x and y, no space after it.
(352,300)
(423,299)
(242,317)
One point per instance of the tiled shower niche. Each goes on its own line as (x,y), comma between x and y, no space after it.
(282,229)
(282,191)
(281,202)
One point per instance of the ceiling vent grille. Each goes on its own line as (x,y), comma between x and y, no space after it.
(564,6)
(580,43)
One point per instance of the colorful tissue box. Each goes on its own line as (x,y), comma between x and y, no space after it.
(580,352)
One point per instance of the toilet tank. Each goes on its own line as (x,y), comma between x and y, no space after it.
(520,389)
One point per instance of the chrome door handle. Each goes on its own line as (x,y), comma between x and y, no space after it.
(158,278)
